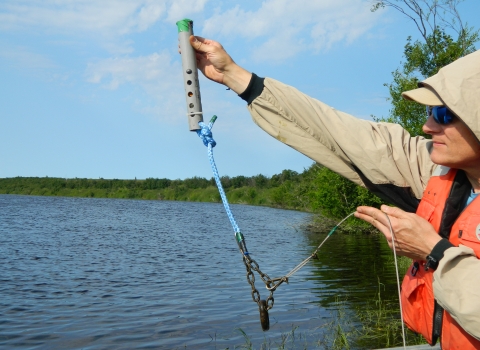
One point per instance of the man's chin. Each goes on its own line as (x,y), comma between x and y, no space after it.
(441,160)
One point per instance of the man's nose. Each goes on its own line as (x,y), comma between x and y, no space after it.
(430,126)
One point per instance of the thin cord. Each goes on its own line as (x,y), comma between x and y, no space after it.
(398,279)
(304,262)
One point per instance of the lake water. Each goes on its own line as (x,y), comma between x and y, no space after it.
(78,273)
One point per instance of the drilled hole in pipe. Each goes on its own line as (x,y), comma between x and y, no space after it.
(189,82)
(190,94)
(189,71)
(191,105)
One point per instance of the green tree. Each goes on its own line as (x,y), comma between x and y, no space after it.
(336,197)
(437,21)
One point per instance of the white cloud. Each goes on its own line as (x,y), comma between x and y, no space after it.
(22,57)
(101,17)
(279,48)
(184,8)
(31,63)
(145,70)
(286,28)
(157,74)
(106,21)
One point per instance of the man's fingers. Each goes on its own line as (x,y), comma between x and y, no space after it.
(196,44)
(200,44)
(392,211)
(204,45)
(371,215)
(376,218)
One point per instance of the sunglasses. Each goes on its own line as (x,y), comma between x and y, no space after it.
(441,115)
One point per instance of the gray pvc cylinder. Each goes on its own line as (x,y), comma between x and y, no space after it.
(190,81)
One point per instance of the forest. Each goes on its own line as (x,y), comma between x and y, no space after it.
(316,189)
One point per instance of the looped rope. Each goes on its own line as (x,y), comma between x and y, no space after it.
(205,133)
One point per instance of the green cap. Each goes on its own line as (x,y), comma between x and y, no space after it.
(184,25)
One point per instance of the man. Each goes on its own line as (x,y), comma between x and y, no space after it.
(439,179)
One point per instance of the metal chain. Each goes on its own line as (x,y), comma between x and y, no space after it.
(272,284)
(250,265)
(251,281)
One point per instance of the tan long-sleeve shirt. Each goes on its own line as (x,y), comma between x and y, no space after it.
(380,156)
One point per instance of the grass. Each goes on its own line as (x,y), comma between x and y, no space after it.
(381,322)
(376,324)
(288,340)
(341,331)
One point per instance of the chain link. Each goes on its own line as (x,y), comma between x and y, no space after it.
(270,301)
(250,265)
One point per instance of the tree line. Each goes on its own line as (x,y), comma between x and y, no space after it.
(316,189)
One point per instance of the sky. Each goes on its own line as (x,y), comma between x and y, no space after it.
(94,89)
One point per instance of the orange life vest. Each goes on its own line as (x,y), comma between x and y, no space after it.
(417,292)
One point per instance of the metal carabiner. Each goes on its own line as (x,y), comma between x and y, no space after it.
(275,285)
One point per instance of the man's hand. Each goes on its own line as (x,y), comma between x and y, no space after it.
(414,236)
(212,59)
(217,65)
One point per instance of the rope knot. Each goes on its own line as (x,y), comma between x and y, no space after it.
(205,133)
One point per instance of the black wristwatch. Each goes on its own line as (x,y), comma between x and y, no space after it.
(431,263)
(436,254)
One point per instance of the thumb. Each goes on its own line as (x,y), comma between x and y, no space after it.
(198,43)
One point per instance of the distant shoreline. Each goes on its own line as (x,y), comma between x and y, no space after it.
(256,190)
(306,192)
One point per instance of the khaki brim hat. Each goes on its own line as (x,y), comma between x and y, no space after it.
(455,86)
(424,96)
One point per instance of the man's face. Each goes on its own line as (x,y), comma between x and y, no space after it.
(454,145)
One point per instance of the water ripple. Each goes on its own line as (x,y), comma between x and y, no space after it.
(100,273)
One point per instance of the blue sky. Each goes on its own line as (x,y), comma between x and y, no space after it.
(94,89)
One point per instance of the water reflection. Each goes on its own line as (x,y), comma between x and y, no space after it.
(353,265)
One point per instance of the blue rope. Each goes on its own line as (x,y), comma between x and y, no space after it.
(205,133)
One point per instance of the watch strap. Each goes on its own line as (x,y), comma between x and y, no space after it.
(436,254)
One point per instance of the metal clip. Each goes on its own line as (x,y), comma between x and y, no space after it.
(278,281)
(415,267)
